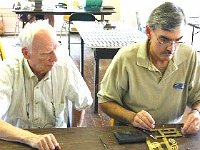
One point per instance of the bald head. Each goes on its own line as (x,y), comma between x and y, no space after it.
(36,32)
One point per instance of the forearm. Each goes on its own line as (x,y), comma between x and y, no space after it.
(192,121)
(77,117)
(40,142)
(116,111)
(11,133)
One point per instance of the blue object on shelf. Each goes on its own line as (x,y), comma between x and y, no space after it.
(93,5)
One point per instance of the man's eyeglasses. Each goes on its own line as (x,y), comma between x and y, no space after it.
(164,41)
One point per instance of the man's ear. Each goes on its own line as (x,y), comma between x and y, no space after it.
(148,31)
(25,53)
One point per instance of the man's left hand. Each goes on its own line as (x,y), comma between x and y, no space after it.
(192,123)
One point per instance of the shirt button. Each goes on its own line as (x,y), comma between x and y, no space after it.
(36,103)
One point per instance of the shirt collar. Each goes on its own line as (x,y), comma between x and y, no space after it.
(142,58)
(30,73)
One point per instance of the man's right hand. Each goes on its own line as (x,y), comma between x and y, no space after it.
(143,120)
(43,142)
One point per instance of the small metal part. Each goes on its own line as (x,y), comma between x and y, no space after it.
(166,132)
(162,144)
(153,145)
(161,140)
(148,133)
(172,141)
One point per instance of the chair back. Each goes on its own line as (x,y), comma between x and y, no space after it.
(79,16)
(82,17)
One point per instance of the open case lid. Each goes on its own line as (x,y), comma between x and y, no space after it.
(93,4)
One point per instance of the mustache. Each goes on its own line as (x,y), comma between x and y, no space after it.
(168,52)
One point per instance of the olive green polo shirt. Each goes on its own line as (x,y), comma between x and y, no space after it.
(133,82)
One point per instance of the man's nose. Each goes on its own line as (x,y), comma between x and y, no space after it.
(53,57)
(172,46)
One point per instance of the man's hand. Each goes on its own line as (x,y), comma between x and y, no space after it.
(192,123)
(43,142)
(143,120)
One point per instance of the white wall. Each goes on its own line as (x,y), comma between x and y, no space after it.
(116,4)
(130,7)
(6,4)
(144,7)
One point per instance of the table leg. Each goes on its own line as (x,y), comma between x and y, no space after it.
(96,80)
(100,53)
(102,17)
(192,35)
(82,58)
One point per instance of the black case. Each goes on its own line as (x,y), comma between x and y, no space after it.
(130,137)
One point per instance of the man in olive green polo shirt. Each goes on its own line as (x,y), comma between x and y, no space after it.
(152,82)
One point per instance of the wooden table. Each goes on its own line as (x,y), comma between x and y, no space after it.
(105,43)
(88,139)
(63,11)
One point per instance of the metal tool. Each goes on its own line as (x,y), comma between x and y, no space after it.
(104,144)
(148,133)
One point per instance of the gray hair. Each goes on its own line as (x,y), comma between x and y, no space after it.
(27,34)
(167,17)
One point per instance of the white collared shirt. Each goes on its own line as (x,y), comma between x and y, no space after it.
(26,102)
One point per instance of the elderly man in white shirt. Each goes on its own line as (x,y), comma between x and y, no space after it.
(35,90)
